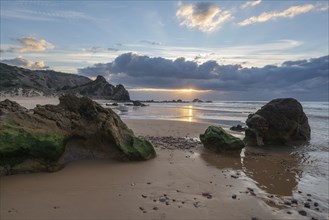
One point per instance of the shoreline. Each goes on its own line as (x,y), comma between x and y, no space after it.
(183,183)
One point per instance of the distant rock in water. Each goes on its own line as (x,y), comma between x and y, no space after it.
(278,122)
(49,136)
(138,103)
(217,139)
(197,100)
(238,128)
(17,81)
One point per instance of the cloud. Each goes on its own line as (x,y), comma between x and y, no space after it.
(204,16)
(33,44)
(93,49)
(112,49)
(288,13)
(151,42)
(30,44)
(251,4)
(323,7)
(37,15)
(21,62)
(302,77)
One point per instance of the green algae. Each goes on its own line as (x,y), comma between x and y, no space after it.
(137,149)
(217,139)
(18,144)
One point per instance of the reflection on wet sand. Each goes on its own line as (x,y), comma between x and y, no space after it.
(274,172)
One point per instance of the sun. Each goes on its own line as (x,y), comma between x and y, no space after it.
(186,90)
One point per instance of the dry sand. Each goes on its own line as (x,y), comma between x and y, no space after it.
(177,184)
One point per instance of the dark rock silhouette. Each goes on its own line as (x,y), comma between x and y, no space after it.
(278,122)
(19,81)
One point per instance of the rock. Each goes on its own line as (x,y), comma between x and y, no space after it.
(217,139)
(233,196)
(25,82)
(197,100)
(238,128)
(138,103)
(278,122)
(303,213)
(49,136)
(207,195)
(307,205)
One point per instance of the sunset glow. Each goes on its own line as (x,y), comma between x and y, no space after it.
(169,90)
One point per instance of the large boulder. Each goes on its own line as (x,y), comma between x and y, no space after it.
(217,139)
(278,122)
(49,136)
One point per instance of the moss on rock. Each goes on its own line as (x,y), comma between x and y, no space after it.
(18,144)
(217,139)
(137,149)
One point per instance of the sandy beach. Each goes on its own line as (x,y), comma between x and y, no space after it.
(187,182)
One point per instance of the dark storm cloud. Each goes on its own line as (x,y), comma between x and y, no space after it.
(142,71)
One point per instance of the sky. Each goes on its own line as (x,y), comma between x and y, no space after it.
(214,50)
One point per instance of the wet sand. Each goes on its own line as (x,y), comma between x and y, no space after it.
(184,181)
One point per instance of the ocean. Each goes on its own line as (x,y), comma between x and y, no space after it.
(308,164)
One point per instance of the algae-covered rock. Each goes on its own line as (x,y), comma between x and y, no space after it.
(278,122)
(47,134)
(217,139)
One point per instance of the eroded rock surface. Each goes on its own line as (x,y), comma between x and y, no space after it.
(278,122)
(52,135)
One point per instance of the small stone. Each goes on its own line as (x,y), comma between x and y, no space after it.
(162,199)
(177,190)
(154,200)
(289,212)
(300,192)
(250,189)
(144,211)
(308,194)
(208,195)
(167,203)
(155,208)
(233,196)
(316,204)
(310,200)
(174,200)
(302,212)
(144,196)
(148,183)
(307,205)
(287,203)
(233,176)
(254,218)
(141,208)
(294,201)
(313,218)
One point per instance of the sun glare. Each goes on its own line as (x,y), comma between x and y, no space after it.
(188,90)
